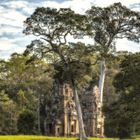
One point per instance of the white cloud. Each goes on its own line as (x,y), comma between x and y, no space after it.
(9,46)
(11,31)
(124,44)
(15,4)
(12,17)
(104,3)
(21,5)
(18,49)
(5,44)
(79,6)
(82,5)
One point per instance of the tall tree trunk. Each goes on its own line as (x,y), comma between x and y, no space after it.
(101,87)
(134,129)
(102,79)
(45,129)
(38,114)
(82,133)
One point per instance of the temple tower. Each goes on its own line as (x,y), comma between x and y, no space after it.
(92,113)
(70,115)
(62,116)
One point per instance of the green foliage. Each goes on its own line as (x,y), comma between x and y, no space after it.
(129,74)
(113,22)
(8,114)
(123,115)
(26,122)
(118,122)
(54,25)
(130,87)
(22,100)
(80,64)
(24,85)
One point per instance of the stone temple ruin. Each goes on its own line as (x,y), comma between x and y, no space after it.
(62,117)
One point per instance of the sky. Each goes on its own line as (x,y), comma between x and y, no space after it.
(14,12)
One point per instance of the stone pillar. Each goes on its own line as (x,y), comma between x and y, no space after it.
(65,125)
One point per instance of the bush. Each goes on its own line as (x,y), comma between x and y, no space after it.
(8,115)
(26,122)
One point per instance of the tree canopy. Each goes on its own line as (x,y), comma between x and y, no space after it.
(113,22)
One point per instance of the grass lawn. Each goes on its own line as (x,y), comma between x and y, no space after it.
(54,138)
(45,138)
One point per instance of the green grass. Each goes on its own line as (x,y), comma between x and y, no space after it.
(44,138)
(22,137)
(133,138)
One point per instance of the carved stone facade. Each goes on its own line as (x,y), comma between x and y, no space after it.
(92,114)
(62,117)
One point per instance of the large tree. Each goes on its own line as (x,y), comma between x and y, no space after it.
(26,83)
(129,87)
(123,114)
(109,24)
(52,26)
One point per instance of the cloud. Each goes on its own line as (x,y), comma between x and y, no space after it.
(135,6)
(12,17)
(13,13)
(5,44)
(9,46)
(9,31)
(104,3)
(124,44)
(5,54)
(79,6)
(19,6)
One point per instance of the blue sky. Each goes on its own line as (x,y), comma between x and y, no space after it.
(14,12)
